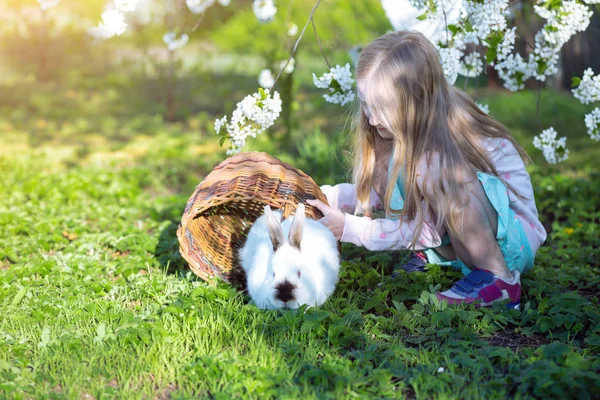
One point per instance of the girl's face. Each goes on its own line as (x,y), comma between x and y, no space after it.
(384,133)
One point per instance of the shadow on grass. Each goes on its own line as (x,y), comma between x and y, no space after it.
(167,250)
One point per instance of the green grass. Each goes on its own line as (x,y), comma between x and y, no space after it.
(96,301)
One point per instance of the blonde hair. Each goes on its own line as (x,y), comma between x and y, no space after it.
(408,93)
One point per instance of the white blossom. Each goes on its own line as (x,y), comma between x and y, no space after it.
(561,24)
(339,83)
(514,71)
(440,12)
(199,6)
(418,4)
(126,5)
(471,37)
(48,4)
(440,370)
(224,3)
(471,66)
(450,60)
(266,79)
(252,115)
(554,150)
(588,90)
(112,24)
(290,66)
(592,122)
(219,123)
(170,39)
(570,18)
(486,16)
(460,40)
(292,29)
(483,107)
(264,10)
(506,46)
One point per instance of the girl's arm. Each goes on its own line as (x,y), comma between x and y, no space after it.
(386,234)
(397,234)
(343,197)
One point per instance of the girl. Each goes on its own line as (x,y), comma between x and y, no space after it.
(450,177)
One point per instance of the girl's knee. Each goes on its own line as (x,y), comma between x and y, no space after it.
(480,208)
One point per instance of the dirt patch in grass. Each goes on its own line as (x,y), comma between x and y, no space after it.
(588,293)
(515,341)
(118,254)
(133,305)
(165,394)
(113,384)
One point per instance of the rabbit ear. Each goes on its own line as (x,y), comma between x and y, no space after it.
(297,227)
(274,228)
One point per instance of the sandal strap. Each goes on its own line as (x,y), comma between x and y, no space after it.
(470,284)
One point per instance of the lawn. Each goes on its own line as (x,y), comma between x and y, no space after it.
(97,302)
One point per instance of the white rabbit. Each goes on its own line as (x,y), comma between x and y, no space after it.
(287,273)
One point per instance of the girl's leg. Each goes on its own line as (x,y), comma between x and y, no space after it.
(447,252)
(477,245)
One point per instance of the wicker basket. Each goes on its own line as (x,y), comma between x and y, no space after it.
(224,205)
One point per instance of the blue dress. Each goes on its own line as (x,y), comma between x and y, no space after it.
(511,236)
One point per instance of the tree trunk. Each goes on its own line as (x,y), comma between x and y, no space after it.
(287,113)
(170,88)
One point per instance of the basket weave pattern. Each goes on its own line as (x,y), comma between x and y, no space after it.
(224,205)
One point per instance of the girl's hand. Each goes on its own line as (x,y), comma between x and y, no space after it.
(332,219)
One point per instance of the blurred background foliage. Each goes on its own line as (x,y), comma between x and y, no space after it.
(60,87)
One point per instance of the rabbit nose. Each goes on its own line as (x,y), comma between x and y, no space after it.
(284,291)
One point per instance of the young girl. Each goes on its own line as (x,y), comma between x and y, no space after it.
(450,177)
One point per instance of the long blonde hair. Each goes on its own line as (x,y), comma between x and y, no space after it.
(409,94)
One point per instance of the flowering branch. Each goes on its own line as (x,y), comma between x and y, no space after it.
(312,13)
(319,41)
(484,22)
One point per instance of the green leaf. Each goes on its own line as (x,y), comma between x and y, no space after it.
(500,352)
(422,17)
(575,81)
(593,340)
(491,54)
(101,330)
(19,296)
(335,85)
(353,318)
(454,29)
(222,140)
(493,40)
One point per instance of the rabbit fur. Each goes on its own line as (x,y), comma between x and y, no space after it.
(289,263)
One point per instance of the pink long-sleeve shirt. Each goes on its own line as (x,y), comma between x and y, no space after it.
(397,234)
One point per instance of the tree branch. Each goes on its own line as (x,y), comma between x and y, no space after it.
(319,41)
(297,41)
(445,23)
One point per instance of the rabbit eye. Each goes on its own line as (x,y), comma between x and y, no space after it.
(299,274)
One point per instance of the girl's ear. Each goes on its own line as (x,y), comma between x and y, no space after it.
(274,228)
(297,227)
